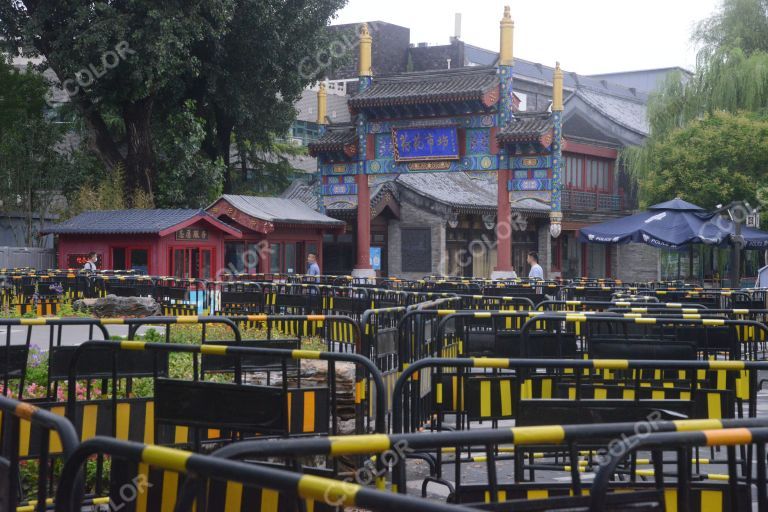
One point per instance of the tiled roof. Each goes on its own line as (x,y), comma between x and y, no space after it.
(335,138)
(533,71)
(630,114)
(469,192)
(127,222)
(465,191)
(303,163)
(525,127)
(279,210)
(456,189)
(303,191)
(306,192)
(337,109)
(461,84)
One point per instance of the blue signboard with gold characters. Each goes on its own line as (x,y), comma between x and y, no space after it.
(430,143)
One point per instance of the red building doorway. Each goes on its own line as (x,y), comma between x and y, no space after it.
(192,262)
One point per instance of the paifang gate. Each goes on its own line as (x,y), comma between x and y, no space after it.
(455,120)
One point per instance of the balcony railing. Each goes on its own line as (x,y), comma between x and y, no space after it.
(578,200)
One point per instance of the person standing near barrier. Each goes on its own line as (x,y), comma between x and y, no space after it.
(313,269)
(89,269)
(536,271)
(90,262)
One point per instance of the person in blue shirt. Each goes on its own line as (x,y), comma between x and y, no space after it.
(536,271)
(313,269)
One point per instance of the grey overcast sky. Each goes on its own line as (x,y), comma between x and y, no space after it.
(586,36)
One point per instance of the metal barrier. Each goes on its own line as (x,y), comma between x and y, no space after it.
(274,411)
(495,303)
(135,323)
(598,306)
(41,424)
(720,336)
(340,333)
(735,495)
(707,389)
(566,441)
(134,462)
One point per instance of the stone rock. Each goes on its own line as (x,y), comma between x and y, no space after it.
(315,374)
(113,306)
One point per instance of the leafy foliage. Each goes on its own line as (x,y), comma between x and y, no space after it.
(187,177)
(731,73)
(263,169)
(710,161)
(107,194)
(708,130)
(164,88)
(32,170)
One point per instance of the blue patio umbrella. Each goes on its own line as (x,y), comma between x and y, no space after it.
(672,224)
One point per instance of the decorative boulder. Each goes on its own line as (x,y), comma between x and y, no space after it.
(113,306)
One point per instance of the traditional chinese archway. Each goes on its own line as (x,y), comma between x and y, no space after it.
(456,120)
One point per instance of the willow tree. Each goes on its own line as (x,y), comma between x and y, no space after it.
(731,75)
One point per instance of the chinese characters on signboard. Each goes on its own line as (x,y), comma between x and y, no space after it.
(79,260)
(425,144)
(192,234)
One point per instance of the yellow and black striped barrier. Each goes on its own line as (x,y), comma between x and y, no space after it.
(742,383)
(51,428)
(361,362)
(750,349)
(331,328)
(735,495)
(491,439)
(158,470)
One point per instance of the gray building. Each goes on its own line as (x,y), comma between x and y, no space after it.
(646,80)
(601,118)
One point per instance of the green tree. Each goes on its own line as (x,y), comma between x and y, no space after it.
(32,168)
(731,72)
(116,57)
(264,169)
(711,161)
(187,177)
(238,60)
(731,76)
(255,73)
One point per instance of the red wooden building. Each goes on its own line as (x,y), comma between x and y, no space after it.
(236,234)
(181,243)
(277,233)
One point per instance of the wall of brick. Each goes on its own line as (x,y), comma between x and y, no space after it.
(545,250)
(637,263)
(414,217)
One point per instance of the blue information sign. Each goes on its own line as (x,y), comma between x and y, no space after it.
(425,144)
(375,258)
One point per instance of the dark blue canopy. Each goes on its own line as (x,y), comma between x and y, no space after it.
(672,224)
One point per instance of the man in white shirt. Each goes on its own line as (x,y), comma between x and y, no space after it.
(536,271)
(90,263)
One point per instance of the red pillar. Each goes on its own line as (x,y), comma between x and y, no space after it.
(503,224)
(265,257)
(363,223)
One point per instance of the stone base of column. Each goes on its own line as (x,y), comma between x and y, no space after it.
(499,275)
(364,273)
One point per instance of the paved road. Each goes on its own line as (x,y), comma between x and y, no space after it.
(70,334)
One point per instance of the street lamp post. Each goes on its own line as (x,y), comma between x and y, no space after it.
(737,212)
(736,245)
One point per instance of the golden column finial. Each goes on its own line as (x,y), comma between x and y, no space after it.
(506,54)
(322,104)
(557,89)
(365,51)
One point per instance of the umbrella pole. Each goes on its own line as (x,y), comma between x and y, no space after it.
(736,256)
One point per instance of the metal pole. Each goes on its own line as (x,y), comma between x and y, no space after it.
(736,256)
